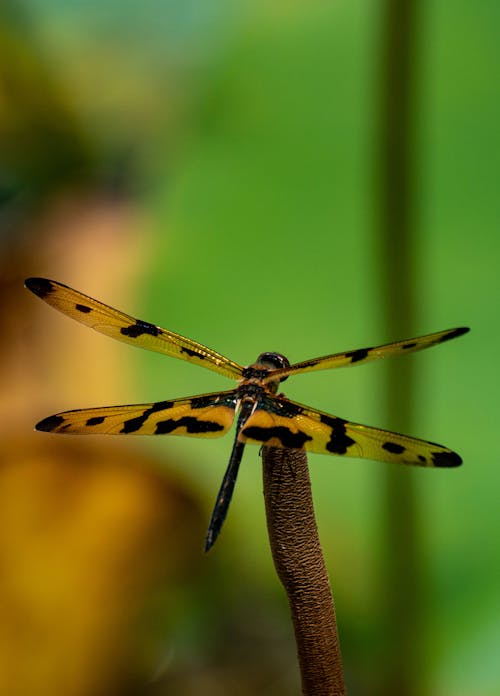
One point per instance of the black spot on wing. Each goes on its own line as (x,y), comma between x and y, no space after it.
(310,363)
(455,332)
(48,425)
(411,344)
(40,286)
(192,353)
(393,447)
(339,441)
(204,401)
(290,410)
(139,328)
(421,458)
(357,355)
(446,459)
(160,406)
(132,425)
(280,407)
(192,425)
(83,308)
(284,435)
(228,401)
(95,420)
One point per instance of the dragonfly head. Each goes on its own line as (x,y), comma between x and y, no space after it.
(274,361)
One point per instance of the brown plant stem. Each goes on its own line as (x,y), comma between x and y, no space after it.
(299,562)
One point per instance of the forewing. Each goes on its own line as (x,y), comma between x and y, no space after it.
(363,355)
(278,422)
(209,415)
(116,324)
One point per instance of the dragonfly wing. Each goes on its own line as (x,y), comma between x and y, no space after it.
(363,355)
(209,415)
(111,322)
(279,422)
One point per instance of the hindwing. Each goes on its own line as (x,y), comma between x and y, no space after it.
(279,422)
(209,415)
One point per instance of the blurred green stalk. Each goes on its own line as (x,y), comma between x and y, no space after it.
(402,595)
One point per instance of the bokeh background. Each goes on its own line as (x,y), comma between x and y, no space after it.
(223,169)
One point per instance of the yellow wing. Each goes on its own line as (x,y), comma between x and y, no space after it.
(209,415)
(116,324)
(362,355)
(279,422)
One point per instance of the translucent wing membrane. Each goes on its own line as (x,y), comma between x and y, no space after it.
(116,324)
(264,418)
(278,422)
(210,415)
(363,355)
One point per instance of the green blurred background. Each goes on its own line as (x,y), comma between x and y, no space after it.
(215,168)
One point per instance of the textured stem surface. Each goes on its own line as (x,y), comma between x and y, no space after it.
(299,562)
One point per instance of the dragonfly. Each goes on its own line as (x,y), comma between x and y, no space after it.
(263,417)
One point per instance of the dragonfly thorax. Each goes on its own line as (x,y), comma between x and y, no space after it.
(261,370)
